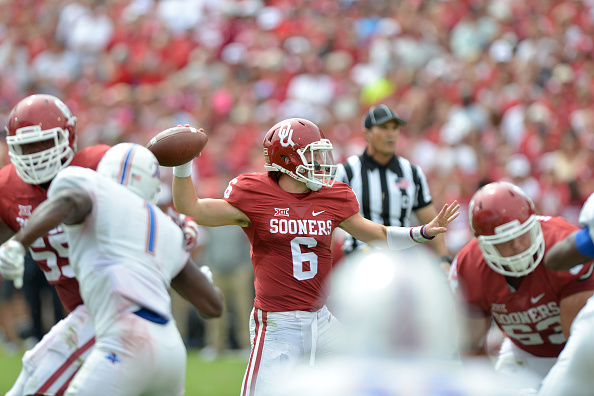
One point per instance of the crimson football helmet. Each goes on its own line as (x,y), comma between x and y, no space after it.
(500,212)
(39,118)
(298,148)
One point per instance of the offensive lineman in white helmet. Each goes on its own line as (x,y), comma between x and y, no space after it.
(125,253)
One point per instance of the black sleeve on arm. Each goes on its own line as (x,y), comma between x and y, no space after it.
(349,172)
(421,203)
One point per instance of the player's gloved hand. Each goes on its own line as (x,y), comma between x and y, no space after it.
(12,261)
(586,217)
(188,226)
(205,269)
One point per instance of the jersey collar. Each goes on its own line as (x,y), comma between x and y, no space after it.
(370,163)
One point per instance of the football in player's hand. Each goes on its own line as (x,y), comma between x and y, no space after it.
(178,145)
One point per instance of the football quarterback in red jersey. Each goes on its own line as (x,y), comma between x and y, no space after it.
(289,214)
(500,274)
(41,139)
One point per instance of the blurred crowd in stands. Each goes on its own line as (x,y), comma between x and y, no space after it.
(491,90)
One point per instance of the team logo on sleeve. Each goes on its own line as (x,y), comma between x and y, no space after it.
(71,119)
(25,210)
(281,212)
(285,133)
(113,358)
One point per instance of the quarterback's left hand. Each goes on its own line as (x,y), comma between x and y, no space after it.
(439,224)
(12,261)
(188,226)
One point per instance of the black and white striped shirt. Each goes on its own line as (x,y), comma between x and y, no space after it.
(387,194)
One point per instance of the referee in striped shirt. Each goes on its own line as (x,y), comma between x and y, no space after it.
(389,188)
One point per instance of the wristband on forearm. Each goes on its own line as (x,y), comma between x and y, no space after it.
(419,234)
(425,235)
(405,237)
(184,170)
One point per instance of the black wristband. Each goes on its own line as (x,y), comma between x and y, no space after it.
(446,258)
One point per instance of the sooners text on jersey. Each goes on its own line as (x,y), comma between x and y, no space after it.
(290,239)
(530,315)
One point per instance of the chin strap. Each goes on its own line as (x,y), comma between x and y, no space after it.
(312,186)
(308,183)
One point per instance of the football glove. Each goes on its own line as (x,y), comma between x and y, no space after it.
(12,262)
(188,226)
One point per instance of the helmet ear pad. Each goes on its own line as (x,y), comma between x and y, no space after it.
(287,159)
(293,162)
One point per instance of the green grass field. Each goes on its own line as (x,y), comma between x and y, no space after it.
(221,377)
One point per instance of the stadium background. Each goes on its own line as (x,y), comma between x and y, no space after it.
(491,89)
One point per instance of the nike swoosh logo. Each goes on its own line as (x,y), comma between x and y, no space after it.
(316,213)
(534,300)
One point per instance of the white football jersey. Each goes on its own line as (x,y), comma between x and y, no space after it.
(125,253)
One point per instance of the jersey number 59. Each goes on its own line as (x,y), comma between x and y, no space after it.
(53,249)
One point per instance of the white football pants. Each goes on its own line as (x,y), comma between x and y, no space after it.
(520,364)
(50,365)
(281,340)
(573,374)
(134,357)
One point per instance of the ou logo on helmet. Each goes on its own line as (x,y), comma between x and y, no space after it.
(285,133)
(66,111)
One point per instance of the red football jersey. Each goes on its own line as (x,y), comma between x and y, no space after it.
(529,316)
(290,239)
(19,199)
